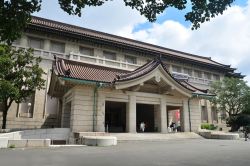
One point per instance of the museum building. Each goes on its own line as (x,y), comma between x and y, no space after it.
(105,83)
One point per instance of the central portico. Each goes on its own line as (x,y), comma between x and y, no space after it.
(97,98)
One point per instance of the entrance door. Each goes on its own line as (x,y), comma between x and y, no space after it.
(115,116)
(174,118)
(145,113)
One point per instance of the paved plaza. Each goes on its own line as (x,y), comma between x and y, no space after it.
(186,152)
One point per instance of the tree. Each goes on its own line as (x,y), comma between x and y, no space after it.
(20,76)
(14,17)
(232,96)
(241,120)
(16,14)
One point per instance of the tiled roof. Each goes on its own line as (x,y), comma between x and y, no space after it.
(67,28)
(84,71)
(142,70)
(194,89)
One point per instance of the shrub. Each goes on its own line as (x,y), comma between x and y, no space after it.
(12,146)
(208,126)
(235,122)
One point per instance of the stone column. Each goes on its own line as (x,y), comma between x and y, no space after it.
(101,113)
(163,109)
(209,113)
(185,116)
(157,117)
(131,115)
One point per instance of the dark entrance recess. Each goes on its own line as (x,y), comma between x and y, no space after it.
(115,117)
(145,113)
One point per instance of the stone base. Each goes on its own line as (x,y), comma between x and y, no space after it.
(100,140)
(218,135)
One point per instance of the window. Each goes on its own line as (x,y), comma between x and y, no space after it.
(130,59)
(176,69)
(207,76)
(109,55)
(188,71)
(216,77)
(197,74)
(86,51)
(51,105)
(35,42)
(214,114)
(57,47)
(204,115)
(26,108)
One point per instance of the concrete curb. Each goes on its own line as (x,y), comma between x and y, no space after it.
(219,135)
(24,143)
(3,142)
(100,140)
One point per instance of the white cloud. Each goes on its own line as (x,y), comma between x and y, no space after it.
(225,38)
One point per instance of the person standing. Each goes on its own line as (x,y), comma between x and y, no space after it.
(142,126)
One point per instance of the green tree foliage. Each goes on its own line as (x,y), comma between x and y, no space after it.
(16,14)
(20,76)
(232,96)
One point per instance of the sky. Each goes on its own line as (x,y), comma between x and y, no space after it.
(225,39)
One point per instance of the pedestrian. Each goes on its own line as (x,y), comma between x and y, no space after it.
(142,126)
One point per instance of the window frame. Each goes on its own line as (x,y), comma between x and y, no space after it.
(216,77)
(109,53)
(133,58)
(177,67)
(87,48)
(36,39)
(198,71)
(57,42)
(189,70)
(207,76)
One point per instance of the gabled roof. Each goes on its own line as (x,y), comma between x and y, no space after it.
(82,71)
(40,24)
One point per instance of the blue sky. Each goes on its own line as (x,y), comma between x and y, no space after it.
(226,38)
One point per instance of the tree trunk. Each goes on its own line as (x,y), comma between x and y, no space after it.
(4,119)
(5,110)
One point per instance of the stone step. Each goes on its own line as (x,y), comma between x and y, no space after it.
(155,136)
(83,134)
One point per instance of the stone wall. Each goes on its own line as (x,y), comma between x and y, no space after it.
(53,134)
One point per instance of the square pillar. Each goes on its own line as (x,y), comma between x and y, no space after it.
(131,115)
(185,116)
(163,110)
(157,117)
(209,113)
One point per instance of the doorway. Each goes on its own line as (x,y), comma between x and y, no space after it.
(145,113)
(175,118)
(115,117)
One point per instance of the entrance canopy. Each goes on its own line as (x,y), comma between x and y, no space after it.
(153,77)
